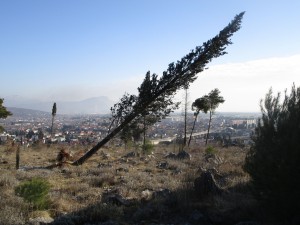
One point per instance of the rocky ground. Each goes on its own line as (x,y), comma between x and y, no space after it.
(118,186)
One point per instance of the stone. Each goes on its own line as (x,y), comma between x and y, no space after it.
(206,185)
(183,155)
(122,169)
(197,217)
(116,199)
(170,155)
(40,217)
(130,155)
(110,222)
(104,155)
(146,195)
(247,223)
(162,193)
(104,165)
(162,165)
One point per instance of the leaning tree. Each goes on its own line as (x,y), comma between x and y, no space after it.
(3,112)
(177,76)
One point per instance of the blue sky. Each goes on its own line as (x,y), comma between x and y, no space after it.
(72,50)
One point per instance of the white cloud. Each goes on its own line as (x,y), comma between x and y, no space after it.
(244,84)
(241,84)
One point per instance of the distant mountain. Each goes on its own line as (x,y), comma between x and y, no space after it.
(20,112)
(97,105)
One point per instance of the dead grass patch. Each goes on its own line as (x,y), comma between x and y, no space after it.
(77,189)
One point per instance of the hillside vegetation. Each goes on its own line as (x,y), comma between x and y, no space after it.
(127,188)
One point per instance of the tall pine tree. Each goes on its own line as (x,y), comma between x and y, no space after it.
(176,77)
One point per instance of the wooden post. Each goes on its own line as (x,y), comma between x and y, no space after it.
(17,157)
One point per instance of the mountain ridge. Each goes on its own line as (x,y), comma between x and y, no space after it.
(94,105)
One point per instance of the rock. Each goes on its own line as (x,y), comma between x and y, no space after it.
(121,169)
(130,155)
(162,165)
(146,195)
(40,217)
(109,222)
(104,155)
(162,193)
(197,217)
(248,223)
(116,199)
(170,156)
(40,221)
(176,171)
(104,165)
(183,155)
(206,185)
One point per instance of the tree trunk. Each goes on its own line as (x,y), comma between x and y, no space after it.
(144,133)
(185,115)
(93,150)
(193,129)
(52,126)
(210,115)
(18,157)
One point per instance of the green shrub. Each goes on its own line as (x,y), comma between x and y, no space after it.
(36,192)
(147,147)
(210,150)
(273,161)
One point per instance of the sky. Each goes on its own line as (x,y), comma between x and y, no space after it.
(69,50)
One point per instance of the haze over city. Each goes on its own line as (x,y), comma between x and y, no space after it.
(74,50)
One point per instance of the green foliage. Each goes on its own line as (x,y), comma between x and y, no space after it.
(273,160)
(3,112)
(200,104)
(36,192)
(214,99)
(147,147)
(210,150)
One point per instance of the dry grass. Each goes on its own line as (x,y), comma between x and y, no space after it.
(77,189)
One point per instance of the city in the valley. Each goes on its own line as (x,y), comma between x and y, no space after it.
(28,127)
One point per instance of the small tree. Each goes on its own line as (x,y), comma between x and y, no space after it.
(214,99)
(40,134)
(273,160)
(3,112)
(36,192)
(200,104)
(53,115)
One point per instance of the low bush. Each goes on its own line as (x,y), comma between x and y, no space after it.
(36,192)
(147,147)
(210,150)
